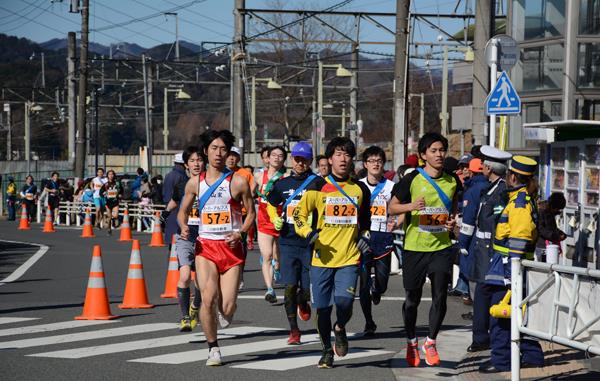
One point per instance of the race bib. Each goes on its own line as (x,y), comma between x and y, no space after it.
(289,212)
(194,216)
(340,211)
(29,196)
(216,219)
(379,211)
(112,193)
(433,220)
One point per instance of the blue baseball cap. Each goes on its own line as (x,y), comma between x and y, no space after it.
(302,149)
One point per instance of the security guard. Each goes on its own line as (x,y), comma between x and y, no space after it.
(480,214)
(515,236)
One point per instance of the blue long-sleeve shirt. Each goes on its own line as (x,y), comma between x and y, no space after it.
(471,198)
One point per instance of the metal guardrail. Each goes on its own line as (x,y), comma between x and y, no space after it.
(74,212)
(555,273)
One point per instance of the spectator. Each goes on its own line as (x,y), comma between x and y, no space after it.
(11,198)
(173,177)
(137,183)
(322,166)
(156,193)
(145,193)
(548,231)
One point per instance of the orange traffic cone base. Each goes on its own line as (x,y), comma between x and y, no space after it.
(136,306)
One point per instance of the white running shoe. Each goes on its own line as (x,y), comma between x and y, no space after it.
(214,357)
(223,322)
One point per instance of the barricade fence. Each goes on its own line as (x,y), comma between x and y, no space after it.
(73,212)
(562,305)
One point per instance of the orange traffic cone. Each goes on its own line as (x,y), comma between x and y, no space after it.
(96,305)
(135,289)
(157,236)
(172,274)
(24,221)
(125,228)
(48,223)
(88,230)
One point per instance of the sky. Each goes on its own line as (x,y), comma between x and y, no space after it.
(143,21)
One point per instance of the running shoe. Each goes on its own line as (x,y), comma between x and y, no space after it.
(270,296)
(375,296)
(223,321)
(431,354)
(294,338)
(214,357)
(241,286)
(326,361)
(370,329)
(193,316)
(276,272)
(412,354)
(185,325)
(304,311)
(340,346)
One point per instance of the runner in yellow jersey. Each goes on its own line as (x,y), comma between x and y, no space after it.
(340,235)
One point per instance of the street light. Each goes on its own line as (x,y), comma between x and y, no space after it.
(272,85)
(43,63)
(30,107)
(181,95)
(341,72)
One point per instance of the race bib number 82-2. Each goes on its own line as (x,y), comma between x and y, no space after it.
(340,211)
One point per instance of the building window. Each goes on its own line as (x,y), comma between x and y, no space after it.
(545,111)
(588,65)
(543,67)
(589,17)
(588,109)
(543,18)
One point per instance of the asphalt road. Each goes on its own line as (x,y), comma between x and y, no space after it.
(38,336)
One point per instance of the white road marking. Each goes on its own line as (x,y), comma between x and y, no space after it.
(389,298)
(82,336)
(309,359)
(28,263)
(52,327)
(8,320)
(148,343)
(226,351)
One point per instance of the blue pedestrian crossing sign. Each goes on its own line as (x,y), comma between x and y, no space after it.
(503,99)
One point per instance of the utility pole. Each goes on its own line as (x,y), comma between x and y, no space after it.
(176,15)
(43,71)
(71,98)
(484,29)
(400,74)
(96,129)
(320,120)
(236,68)
(80,151)
(27,135)
(147,114)
(354,91)
(9,132)
(444,112)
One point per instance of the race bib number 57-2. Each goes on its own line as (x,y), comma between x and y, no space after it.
(216,219)
(433,220)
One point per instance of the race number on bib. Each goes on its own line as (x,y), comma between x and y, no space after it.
(216,219)
(340,211)
(433,220)
(289,212)
(29,196)
(112,193)
(194,216)
(379,212)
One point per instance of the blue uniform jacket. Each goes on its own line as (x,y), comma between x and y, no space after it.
(475,187)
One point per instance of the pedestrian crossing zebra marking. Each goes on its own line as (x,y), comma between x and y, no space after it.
(9,320)
(82,336)
(148,343)
(52,327)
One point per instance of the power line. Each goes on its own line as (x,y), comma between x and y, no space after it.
(30,20)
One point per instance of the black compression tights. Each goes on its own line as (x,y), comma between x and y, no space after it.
(343,310)
(437,312)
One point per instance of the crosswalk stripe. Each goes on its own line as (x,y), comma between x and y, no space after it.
(52,327)
(148,343)
(309,359)
(81,336)
(8,320)
(226,351)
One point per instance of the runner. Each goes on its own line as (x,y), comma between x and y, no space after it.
(52,190)
(111,192)
(233,161)
(382,240)
(28,195)
(267,234)
(322,166)
(429,206)
(99,201)
(185,248)
(294,250)
(340,234)
(219,252)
